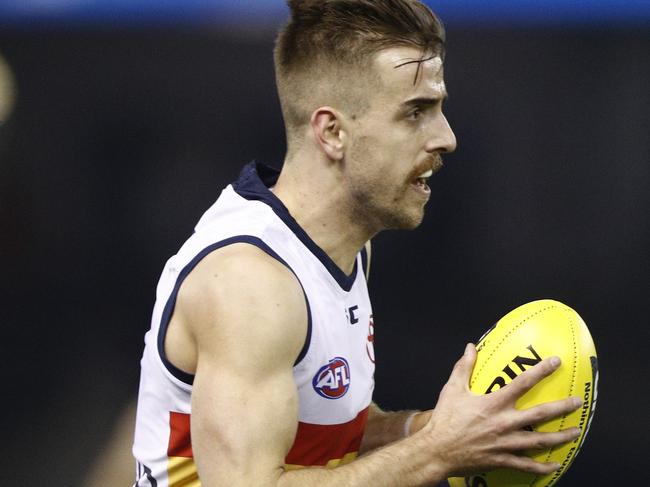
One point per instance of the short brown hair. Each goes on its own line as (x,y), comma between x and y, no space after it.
(326,39)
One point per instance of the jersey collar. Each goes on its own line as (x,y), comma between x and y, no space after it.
(253,184)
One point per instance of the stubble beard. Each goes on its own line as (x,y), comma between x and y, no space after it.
(379,213)
(373,206)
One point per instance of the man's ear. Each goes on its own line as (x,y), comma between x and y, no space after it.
(326,126)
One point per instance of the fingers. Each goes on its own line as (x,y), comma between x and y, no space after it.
(527,380)
(525,440)
(462,371)
(544,412)
(526,464)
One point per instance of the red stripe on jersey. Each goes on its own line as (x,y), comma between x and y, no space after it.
(317,444)
(180,442)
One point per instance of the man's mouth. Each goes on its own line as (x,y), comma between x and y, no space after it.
(421,180)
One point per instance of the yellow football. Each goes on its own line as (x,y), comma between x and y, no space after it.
(519,340)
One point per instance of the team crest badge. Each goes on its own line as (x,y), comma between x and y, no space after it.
(332,381)
(370,345)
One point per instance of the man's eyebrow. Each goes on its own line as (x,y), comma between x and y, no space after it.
(425,100)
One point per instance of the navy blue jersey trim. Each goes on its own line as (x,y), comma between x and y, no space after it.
(171,302)
(253,184)
(144,472)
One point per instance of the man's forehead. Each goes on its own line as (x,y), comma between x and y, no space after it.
(407,69)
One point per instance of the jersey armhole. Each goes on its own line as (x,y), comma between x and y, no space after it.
(168,310)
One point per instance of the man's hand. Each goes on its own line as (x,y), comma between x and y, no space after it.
(472,433)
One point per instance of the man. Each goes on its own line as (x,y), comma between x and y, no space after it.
(260,361)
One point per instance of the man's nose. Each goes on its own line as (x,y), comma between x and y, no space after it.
(442,138)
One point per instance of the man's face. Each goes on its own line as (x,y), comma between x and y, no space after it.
(395,145)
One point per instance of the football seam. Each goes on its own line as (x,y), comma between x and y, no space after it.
(505,337)
(571,389)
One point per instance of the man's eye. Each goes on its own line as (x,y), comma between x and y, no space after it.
(415,114)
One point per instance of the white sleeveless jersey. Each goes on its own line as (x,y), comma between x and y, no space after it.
(333,373)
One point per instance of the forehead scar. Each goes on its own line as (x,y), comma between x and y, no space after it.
(434,58)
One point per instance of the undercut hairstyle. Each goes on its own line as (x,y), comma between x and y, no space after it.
(324,55)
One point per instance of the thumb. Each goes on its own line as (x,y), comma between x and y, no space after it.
(463,369)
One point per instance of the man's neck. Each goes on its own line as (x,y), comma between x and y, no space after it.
(317,200)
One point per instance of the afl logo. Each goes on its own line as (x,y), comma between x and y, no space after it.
(332,381)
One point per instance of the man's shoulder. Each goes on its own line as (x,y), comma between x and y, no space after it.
(241,285)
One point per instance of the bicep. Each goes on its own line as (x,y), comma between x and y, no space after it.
(249,328)
(242,426)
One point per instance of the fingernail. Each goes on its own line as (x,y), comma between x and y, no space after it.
(577,402)
(556,465)
(468,348)
(555,361)
(576,432)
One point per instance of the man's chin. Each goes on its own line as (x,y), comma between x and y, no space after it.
(407,221)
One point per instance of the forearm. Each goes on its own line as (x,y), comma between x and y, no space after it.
(405,463)
(386,427)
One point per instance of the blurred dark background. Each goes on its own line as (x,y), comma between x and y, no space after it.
(121,136)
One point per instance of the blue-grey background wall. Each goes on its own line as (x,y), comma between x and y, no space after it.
(122,136)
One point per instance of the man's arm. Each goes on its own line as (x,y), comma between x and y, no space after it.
(465,433)
(247,315)
(386,427)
